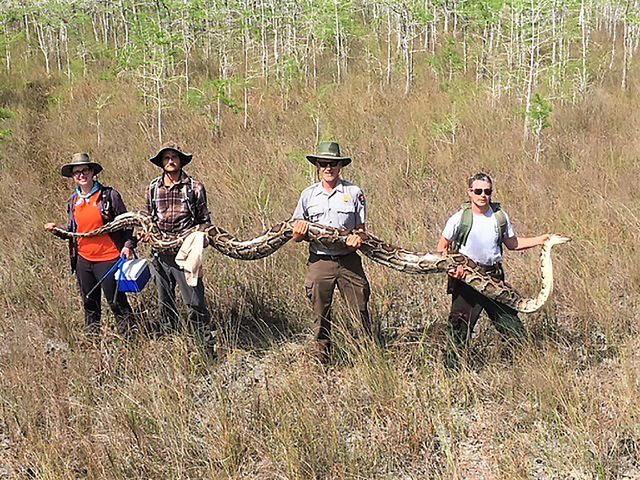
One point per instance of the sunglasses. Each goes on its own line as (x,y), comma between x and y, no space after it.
(84,171)
(332,164)
(480,191)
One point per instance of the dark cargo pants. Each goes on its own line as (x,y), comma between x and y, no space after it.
(168,275)
(466,306)
(323,275)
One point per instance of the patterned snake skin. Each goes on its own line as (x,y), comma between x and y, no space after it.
(373,247)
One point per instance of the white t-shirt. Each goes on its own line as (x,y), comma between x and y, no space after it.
(482,244)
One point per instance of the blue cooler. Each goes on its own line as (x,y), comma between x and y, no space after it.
(132,275)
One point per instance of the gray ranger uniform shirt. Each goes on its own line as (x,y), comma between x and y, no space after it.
(345,208)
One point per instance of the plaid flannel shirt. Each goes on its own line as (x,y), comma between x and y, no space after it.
(171,205)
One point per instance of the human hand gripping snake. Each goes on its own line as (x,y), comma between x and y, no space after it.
(373,247)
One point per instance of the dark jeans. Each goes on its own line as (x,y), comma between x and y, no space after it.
(466,306)
(323,275)
(89,274)
(168,275)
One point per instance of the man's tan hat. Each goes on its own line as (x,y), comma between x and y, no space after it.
(328,151)
(79,159)
(185,158)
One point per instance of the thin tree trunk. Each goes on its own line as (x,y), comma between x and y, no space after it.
(125,23)
(613,47)
(389,64)
(66,50)
(585,47)
(27,31)
(532,69)
(626,55)
(42,43)
(158,81)
(338,52)
(245,88)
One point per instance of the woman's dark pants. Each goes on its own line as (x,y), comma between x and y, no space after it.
(89,274)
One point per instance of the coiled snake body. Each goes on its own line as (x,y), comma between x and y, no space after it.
(373,247)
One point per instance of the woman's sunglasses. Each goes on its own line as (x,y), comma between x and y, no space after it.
(85,171)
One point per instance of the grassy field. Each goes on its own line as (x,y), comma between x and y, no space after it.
(565,407)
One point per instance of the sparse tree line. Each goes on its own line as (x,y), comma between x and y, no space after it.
(212,53)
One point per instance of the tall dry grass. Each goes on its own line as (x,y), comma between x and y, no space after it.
(567,406)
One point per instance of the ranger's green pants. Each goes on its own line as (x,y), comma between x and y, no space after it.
(323,275)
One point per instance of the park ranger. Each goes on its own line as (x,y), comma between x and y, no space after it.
(337,203)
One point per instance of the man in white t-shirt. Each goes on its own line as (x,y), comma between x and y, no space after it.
(478,230)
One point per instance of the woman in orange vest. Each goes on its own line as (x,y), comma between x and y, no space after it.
(90,206)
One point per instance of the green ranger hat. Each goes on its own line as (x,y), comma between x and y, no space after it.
(328,151)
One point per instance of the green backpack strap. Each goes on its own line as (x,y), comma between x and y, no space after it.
(501,220)
(466,222)
(501,223)
(462,234)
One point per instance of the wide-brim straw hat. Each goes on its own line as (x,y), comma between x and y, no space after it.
(77,160)
(328,151)
(185,158)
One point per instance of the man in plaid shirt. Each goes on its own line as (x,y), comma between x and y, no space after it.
(177,203)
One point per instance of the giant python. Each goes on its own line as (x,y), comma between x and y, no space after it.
(373,247)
